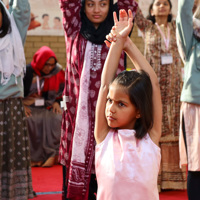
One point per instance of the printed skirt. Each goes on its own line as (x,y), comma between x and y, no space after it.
(15,169)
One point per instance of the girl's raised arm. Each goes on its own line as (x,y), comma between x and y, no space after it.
(141,63)
(108,74)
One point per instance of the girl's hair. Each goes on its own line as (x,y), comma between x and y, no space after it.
(138,86)
(6,26)
(153,19)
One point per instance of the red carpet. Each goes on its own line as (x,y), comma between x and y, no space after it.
(174,195)
(47,183)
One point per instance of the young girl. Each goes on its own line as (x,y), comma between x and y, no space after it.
(86,24)
(128,123)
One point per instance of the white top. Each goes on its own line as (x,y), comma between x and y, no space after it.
(127,168)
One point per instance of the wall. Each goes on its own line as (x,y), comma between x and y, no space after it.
(138,42)
(56,43)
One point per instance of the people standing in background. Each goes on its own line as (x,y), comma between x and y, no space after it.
(43,87)
(188,33)
(86,23)
(15,170)
(159,34)
(128,122)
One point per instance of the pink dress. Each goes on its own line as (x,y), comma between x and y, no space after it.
(80,166)
(127,168)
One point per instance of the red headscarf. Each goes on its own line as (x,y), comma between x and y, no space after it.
(40,58)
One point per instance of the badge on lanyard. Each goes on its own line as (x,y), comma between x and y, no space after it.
(166,58)
(39,101)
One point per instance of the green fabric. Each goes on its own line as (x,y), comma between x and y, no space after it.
(21,12)
(15,170)
(191,47)
(13,89)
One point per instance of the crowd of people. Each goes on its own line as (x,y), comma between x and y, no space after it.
(119,134)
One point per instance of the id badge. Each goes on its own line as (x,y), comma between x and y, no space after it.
(39,102)
(166,59)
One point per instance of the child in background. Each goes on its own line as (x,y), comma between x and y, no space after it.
(128,122)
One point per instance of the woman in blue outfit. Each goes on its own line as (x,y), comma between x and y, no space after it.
(188,34)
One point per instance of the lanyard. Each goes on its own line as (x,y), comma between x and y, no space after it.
(38,86)
(166,40)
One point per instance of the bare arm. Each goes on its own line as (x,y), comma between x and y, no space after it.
(108,74)
(140,63)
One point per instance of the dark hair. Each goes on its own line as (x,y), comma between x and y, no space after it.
(6,26)
(89,32)
(58,18)
(139,88)
(44,15)
(153,19)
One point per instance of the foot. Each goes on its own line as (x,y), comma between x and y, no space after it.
(49,162)
(36,164)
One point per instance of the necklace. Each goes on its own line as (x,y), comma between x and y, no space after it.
(96,57)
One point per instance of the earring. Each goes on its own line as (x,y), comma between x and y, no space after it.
(138,116)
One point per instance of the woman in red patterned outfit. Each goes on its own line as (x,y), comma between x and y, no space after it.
(86,24)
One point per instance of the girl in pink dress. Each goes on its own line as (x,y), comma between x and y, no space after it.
(86,24)
(128,122)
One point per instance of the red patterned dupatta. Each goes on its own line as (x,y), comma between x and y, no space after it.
(78,173)
(82,129)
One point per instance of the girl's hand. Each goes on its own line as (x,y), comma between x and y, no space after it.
(122,27)
(56,108)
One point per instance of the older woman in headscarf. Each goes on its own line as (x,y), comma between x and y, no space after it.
(43,87)
(188,32)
